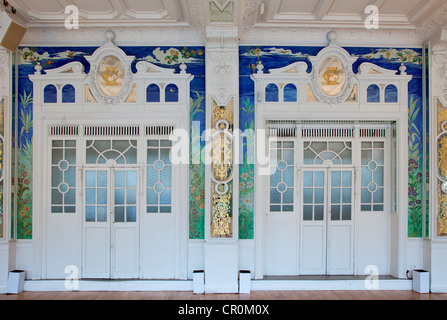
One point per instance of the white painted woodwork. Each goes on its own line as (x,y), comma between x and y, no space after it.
(155,245)
(308,250)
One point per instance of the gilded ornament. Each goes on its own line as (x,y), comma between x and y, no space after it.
(221,221)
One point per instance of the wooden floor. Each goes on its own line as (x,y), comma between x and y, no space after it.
(254,295)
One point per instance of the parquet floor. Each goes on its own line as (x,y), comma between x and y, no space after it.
(254,295)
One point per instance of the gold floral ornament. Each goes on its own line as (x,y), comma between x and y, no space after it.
(442,157)
(442,217)
(221,218)
(221,169)
(442,169)
(222,156)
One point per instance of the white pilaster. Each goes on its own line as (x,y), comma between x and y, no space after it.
(438,95)
(222,86)
(5,93)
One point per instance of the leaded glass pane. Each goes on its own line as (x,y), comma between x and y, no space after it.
(63,176)
(282,176)
(159,176)
(372,176)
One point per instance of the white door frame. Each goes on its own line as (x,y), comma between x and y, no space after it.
(42,183)
(265,112)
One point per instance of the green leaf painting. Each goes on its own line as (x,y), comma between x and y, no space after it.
(196,175)
(24,168)
(415,159)
(246,173)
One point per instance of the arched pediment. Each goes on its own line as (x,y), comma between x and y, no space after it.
(110,80)
(332,78)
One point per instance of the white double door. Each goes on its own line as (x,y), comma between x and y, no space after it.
(111,223)
(326,235)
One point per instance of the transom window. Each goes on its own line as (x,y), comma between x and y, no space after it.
(120,151)
(328,152)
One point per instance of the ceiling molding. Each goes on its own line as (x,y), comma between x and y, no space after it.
(282,22)
(125,36)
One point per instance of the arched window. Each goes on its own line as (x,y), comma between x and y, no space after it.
(68,94)
(271,93)
(171,93)
(373,93)
(391,94)
(290,93)
(153,93)
(50,94)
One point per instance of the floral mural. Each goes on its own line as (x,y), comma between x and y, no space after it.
(415,165)
(53,57)
(389,58)
(194,57)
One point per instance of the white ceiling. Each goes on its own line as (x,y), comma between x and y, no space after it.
(347,13)
(249,15)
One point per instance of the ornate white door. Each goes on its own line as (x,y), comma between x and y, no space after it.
(327,232)
(110,226)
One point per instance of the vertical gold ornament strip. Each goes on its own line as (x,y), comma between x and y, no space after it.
(221,222)
(442,170)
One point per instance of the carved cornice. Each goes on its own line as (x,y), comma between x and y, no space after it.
(431,25)
(126,36)
(439,67)
(247,16)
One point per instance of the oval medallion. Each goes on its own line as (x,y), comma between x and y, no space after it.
(110,76)
(331,76)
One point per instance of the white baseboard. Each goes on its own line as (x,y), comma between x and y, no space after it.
(187,285)
(111,285)
(3,289)
(438,289)
(221,289)
(329,285)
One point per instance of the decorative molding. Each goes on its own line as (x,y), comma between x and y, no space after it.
(247,16)
(5,73)
(439,67)
(222,63)
(343,56)
(349,90)
(431,25)
(115,84)
(96,59)
(221,10)
(222,89)
(126,36)
(302,36)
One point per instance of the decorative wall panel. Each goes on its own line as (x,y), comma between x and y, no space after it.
(266,58)
(54,57)
(194,57)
